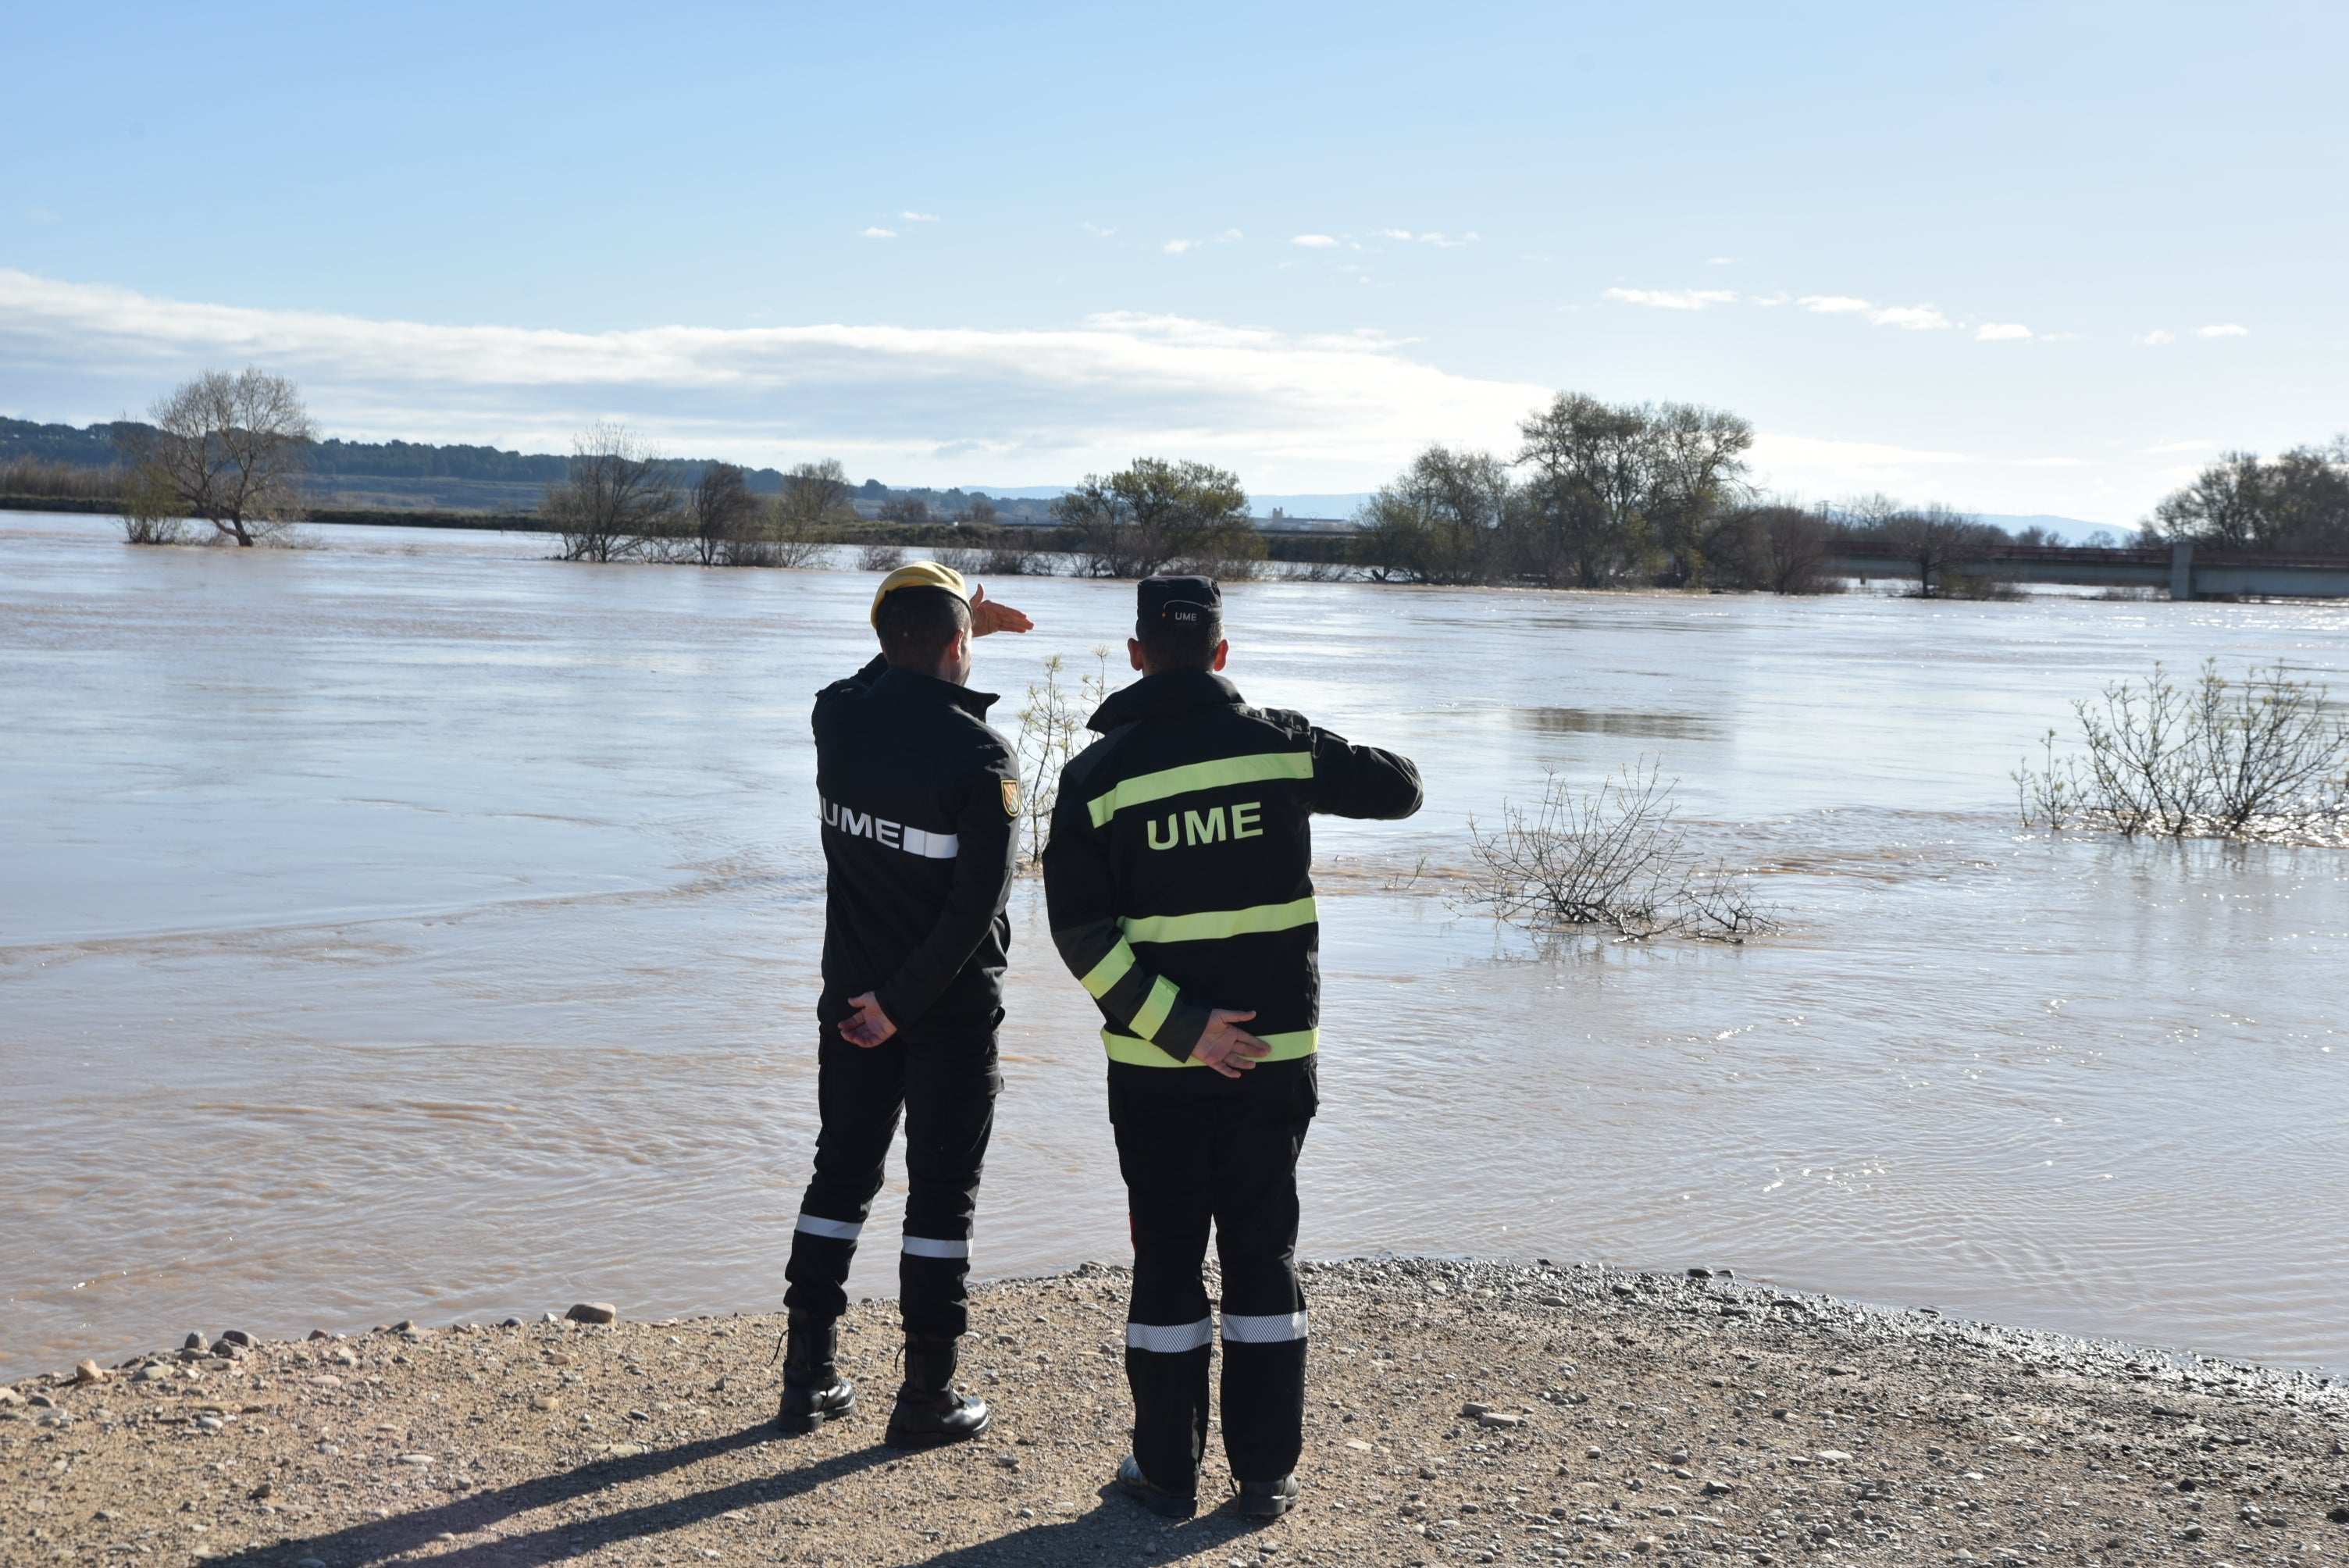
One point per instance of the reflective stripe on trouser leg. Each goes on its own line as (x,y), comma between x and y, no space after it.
(950,1090)
(1170,1338)
(857,1095)
(1162,1150)
(1263,1306)
(1271,1328)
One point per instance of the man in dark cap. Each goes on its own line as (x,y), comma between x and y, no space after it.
(921,817)
(1179,881)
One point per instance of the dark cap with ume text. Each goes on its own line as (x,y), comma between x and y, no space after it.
(1179,602)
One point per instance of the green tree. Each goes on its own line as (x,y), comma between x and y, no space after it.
(1160,514)
(1442,519)
(1622,488)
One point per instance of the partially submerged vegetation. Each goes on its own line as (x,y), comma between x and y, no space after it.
(2263,757)
(1610,859)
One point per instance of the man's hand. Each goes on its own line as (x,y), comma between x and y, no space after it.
(868,1025)
(1226,1047)
(987,615)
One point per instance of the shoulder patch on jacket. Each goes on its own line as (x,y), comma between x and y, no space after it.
(1011,796)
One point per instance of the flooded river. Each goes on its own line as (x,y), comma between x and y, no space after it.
(415,927)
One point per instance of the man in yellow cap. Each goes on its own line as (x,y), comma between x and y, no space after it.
(921,816)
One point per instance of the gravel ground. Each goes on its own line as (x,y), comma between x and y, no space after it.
(1457,1413)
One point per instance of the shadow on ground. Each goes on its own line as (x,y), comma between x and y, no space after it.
(379,1541)
(1115,1526)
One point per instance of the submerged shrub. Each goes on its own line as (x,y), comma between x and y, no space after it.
(1609,859)
(2263,757)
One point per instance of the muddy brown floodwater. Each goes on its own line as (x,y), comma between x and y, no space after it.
(414,927)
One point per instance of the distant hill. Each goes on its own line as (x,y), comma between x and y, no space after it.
(416,476)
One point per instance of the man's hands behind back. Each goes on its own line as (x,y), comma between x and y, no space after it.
(1226,1047)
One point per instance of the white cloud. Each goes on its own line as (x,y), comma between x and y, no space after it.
(1915,318)
(2002,332)
(1392,233)
(1098,234)
(1674,299)
(919,217)
(876,234)
(2225,329)
(1177,247)
(2157,337)
(2167,447)
(1315,242)
(950,405)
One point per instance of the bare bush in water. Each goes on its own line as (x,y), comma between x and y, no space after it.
(1608,858)
(880,558)
(2264,756)
(1051,730)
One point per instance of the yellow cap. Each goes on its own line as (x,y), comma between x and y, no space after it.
(920,574)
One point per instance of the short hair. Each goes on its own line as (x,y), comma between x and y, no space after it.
(1180,644)
(919,625)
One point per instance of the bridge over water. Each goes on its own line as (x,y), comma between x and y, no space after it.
(2180,570)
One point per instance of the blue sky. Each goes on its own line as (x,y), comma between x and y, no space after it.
(2040,258)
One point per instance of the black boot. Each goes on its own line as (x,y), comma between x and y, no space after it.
(814,1390)
(1268,1498)
(929,1410)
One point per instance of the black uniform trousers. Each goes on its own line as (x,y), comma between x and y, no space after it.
(1190,1160)
(946,1092)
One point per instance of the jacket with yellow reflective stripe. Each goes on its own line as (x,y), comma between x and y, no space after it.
(1179,874)
(918,796)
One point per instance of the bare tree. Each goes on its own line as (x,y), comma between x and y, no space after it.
(905,508)
(1937,540)
(817,492)
(725,516)
(229,450)
(814,503)
(1776,548)
(619,499)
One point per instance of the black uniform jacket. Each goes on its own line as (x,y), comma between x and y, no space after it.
(921,804)
(1179,876)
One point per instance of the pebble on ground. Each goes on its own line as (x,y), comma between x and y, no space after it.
(1456,1413)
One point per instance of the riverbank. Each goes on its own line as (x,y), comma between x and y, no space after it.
(1457,1413)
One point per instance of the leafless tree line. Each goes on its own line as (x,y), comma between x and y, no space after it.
(2266,756)
(622,501)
